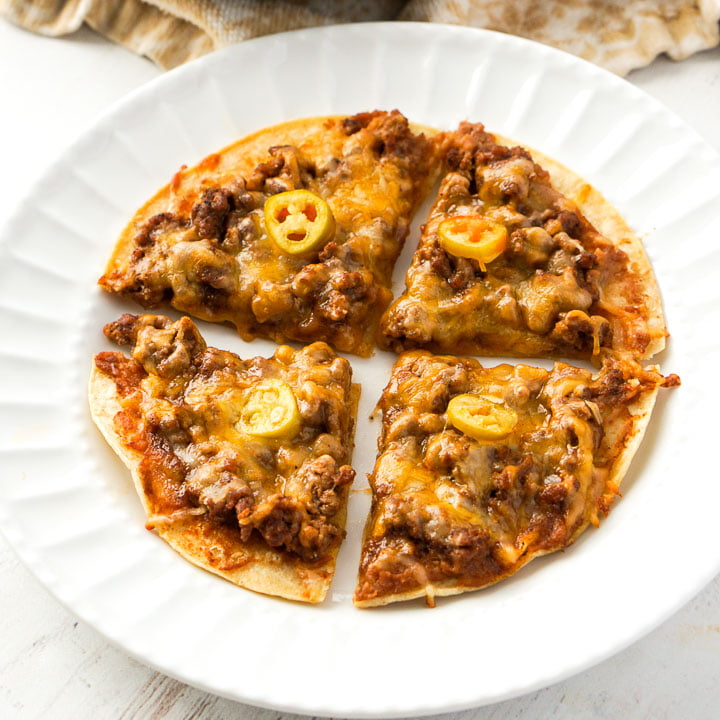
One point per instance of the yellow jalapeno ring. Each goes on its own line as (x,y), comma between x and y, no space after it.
(298,221)
(481,417)
(269,410)
(473,236)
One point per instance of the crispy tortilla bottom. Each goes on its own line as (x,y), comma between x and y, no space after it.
(215,548)
(641,410)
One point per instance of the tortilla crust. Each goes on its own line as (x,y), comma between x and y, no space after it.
(217,549)
(626,440)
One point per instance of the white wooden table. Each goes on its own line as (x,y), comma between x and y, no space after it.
(52,666)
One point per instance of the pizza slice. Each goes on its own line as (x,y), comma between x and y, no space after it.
(480,470)
(290,234)
(515,260)
(241,465)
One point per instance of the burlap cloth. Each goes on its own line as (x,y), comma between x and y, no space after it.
(617,34)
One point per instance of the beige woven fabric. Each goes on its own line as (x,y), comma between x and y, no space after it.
(617,34)
(620,35)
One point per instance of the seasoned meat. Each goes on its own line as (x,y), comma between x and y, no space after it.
(209,216)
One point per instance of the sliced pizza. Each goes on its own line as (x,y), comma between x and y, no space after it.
(480,470)
(241,465)
(290,234)
(523,259)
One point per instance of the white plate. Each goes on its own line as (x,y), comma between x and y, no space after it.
(66,502)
